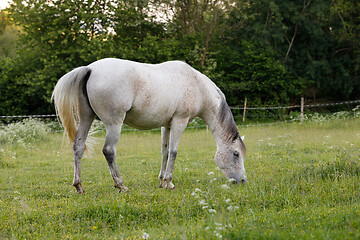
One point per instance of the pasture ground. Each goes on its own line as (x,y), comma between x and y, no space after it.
(303,183)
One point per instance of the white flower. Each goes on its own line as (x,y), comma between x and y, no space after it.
(197,190)
(145,235)
(225,186)
(202,202)
(218,235)
(228,200)
(212,210)
(214,179)
(211,173)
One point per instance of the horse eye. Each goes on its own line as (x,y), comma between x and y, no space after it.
(236,154)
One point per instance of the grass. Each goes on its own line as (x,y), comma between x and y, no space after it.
(303,183)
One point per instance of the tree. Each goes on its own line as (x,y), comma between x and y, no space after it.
(301,32)
(251,71)
(57,36)
(8,36)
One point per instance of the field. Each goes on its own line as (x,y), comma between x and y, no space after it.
(303,183)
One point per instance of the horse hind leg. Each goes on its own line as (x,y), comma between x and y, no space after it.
(86,118)
(164,153)
(112,137)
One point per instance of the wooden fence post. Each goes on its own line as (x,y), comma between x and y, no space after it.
(302,111)
(244,110)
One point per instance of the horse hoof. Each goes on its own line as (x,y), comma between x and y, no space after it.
(79,189)
(123,189)
(170,186)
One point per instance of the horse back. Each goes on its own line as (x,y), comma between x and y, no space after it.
(150,95)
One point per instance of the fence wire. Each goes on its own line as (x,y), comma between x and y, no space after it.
(236,116)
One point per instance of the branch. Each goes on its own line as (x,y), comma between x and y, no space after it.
(305,5)
(291,43)
(341,18)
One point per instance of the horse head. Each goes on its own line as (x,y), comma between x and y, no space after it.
(230,158)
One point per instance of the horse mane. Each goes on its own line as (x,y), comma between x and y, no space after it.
(226,120)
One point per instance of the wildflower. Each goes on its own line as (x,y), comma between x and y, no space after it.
(214,179)
(212,210)
(202,202)
(218,235)
(145,235)
(228,200)
(225,186)
(211,173)
(197,190)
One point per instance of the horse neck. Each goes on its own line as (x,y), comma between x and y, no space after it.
(211,117)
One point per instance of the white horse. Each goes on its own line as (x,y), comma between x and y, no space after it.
(145,96)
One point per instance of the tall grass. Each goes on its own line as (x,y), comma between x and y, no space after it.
(303,183)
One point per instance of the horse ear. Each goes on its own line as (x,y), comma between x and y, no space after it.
(243,138)
(236,136)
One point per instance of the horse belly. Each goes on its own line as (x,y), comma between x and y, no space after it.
(142,119)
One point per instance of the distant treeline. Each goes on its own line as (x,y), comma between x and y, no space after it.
(270,51)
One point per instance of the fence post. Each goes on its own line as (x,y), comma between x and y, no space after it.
(302,111)
(244,110)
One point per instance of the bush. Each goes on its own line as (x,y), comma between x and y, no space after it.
(23,133)
(326,118)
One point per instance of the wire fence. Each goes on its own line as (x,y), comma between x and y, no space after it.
(262,115)
(297,106)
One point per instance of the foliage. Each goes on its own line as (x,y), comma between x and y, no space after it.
(268,51)
(307,37)
(303,183)
(8,36)
(251,71)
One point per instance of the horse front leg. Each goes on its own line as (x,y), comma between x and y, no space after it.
(109,150)
(177,128)
(164,153)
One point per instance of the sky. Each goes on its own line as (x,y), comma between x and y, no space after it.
(4,4)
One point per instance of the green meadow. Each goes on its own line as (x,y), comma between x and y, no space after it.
(303,183)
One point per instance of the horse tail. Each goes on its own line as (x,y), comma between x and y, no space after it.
(66,96)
